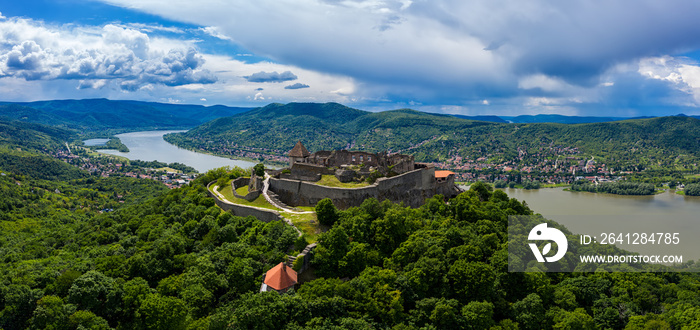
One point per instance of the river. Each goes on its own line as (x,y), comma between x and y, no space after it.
(590,213)
(149,146)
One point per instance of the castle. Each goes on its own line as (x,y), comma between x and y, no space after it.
(395,177)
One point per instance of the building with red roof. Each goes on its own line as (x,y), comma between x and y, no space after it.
(280,278)
(442,176)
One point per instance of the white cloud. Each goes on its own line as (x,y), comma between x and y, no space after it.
(2,17)
(35,51)
(683,74)
(542,82)
(214,32)
(485,102)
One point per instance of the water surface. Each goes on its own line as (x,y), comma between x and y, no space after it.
(590,213)
(150,146)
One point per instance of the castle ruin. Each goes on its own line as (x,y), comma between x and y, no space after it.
(395,177)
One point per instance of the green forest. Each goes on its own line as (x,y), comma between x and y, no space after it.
(75,256)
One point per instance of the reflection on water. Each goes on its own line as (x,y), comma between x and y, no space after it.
(149,146)
(590,213)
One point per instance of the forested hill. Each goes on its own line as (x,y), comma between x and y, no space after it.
(15,134)
(436,138)
(24,149)
(103,114)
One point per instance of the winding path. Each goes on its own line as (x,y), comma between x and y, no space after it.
(266,185)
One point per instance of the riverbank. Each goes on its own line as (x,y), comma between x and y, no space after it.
(150,146)
(268,163)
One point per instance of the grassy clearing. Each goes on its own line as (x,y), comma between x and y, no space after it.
(168,169)
(258,202)
(242,191)
(307,223)
(332,181)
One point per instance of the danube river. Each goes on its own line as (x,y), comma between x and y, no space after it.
(595,214)
(149,146)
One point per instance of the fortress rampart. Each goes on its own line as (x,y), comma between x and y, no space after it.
(411,188)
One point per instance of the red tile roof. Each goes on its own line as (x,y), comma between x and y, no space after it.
(443,174)
(280,277)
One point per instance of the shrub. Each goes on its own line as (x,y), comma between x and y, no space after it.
(259,170)
(326,212)
(298,263)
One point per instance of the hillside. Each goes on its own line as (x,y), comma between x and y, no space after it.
(24,148)
(97,115)
(662,141)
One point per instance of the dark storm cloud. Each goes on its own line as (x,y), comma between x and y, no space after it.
(275,77)
(297,86)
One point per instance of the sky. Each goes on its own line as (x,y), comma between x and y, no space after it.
(620,58)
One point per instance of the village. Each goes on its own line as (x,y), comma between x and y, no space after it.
(106,166)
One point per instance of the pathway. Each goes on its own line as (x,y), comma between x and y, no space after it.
(223,199)
(266,185)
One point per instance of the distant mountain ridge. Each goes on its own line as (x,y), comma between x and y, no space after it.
(103,114)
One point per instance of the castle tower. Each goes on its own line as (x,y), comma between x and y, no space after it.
(298,154)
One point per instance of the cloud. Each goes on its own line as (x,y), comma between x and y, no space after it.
(214,32)
(451,51)
(92,84)
(2,17)
(297,86)
(262,77)
(93,55)
(259,96)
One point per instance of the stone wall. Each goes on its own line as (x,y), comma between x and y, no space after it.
(306,256)
(242,182)
(244,211)
(411,188)
(401,163)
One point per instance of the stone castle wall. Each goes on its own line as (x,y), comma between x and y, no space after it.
(241,182)
(411,188)
(244,211)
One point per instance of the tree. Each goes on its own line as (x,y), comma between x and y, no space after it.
(162,313)
(90,292)
(50,313)
(471,280)
(578,319)
(479,315)
(87,320)
(530,312)
(259,170)
(326,212)
(19,302)
(482,189)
